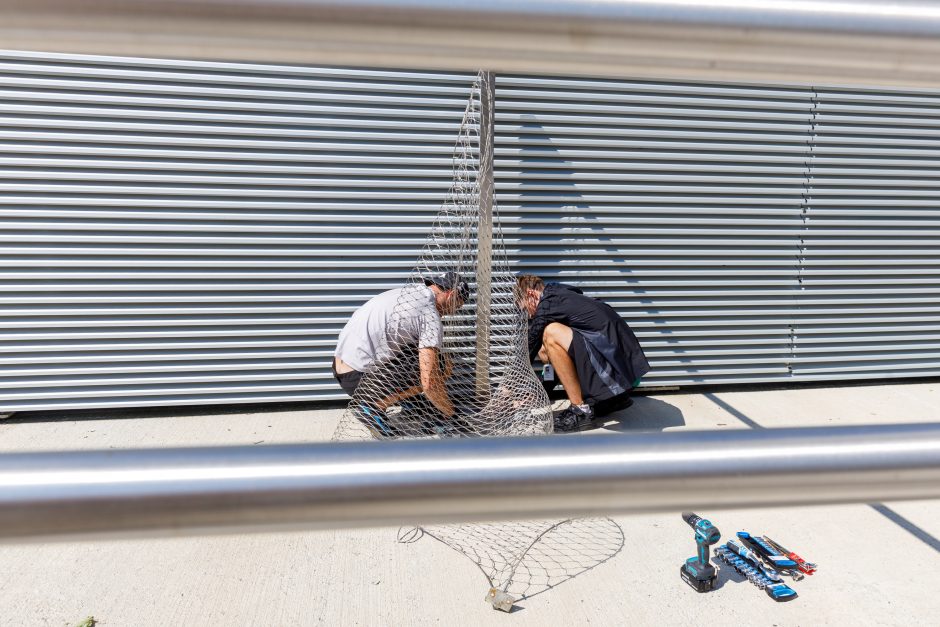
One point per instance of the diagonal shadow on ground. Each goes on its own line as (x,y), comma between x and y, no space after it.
(919,533)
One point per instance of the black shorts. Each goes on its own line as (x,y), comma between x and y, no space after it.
(349,381)
(403,371)
(593,387)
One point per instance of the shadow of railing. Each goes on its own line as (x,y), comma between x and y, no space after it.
(902,522)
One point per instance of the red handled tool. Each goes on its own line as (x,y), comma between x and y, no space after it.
(806,567)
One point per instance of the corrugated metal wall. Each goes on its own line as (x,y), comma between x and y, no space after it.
(681,205)
(870,306)
(185,232)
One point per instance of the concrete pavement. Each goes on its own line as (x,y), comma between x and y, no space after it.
(879,565)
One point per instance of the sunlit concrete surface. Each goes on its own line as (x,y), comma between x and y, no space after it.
(878,564)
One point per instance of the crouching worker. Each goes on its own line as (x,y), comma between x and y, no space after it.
(593,352)
(390,350)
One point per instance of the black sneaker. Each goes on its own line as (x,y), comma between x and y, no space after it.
(573,418)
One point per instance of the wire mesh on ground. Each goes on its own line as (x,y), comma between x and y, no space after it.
(528,558)
(487,374)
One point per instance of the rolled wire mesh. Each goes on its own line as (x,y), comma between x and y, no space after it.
(484,349)
(490,381)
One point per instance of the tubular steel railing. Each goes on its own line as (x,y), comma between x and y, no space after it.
(373,484)
(851,42)
(855,43)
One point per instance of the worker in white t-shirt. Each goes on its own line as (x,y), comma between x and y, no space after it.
(400,330)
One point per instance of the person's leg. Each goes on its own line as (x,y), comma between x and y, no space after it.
(418,415)
(368,414)
(395,397)
(350,381)
(402,380)
(557,340)
(543,355)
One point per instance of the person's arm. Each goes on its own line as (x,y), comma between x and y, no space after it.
(432,381)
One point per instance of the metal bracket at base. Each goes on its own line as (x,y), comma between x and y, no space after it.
(500,600)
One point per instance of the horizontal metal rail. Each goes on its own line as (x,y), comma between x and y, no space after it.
(851,42)
(169,491)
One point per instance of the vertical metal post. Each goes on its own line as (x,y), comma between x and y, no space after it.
(485,233)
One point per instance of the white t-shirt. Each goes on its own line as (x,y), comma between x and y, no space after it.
(388,323)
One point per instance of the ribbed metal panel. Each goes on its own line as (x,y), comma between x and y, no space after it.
(679,204)
(178,232)
(870,305)
(185,232)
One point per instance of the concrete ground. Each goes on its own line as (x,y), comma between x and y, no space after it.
(879,564)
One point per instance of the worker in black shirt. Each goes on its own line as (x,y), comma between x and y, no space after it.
(592,350)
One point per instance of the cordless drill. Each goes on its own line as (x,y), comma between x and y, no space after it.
(696,571)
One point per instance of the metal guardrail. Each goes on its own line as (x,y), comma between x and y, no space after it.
(859,43)
(372,484)
(853,42)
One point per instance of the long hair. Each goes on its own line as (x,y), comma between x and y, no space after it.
(525,282)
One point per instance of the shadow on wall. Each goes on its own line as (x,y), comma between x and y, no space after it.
(646,414)
(551,181)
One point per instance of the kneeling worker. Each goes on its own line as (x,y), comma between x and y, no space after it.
(395,341)
(592,350)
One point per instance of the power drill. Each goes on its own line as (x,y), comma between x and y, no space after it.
(696,571)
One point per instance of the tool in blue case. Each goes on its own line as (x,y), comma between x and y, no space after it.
(748,565)
(755,559)
(767,552)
